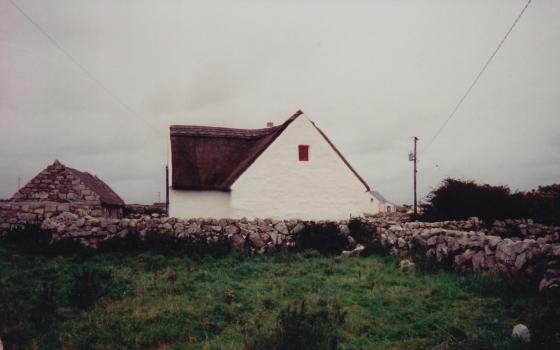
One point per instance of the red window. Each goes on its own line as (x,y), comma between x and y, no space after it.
(303,153)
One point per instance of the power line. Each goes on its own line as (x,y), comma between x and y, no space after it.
(82,68)
(477,77)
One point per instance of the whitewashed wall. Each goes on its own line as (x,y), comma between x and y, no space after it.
(199,204)
(381,206)
(278,185)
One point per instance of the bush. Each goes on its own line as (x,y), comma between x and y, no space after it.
(43,312)
(324,238)
(461,199)
(545,328)
(165,244)
(89,285)
(299,328)
(30,239)
(129,243)
(68,246)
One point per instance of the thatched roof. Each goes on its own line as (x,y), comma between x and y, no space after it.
(213,158)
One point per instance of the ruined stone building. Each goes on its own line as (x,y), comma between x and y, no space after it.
(59,188)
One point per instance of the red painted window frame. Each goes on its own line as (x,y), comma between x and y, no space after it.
(303,153)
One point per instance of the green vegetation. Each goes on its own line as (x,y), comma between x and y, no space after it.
(145,300)
(460,199)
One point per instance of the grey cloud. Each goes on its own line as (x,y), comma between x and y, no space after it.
(370,74)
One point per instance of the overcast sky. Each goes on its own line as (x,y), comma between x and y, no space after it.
(371,74)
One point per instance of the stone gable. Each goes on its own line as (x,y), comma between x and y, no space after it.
(56,183)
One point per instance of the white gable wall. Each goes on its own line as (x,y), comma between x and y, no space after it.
(278,185)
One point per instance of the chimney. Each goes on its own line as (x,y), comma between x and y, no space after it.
(269,124)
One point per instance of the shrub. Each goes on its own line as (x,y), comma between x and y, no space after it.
(300,328)
(166,244)
(325,238)
(163,244)
(43,312)
(199,247)
(460,199)
(89,285)
(68,247)
(129,243)
(544,328)
(30,239)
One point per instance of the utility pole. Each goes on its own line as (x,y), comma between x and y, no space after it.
(412,157)
(18,182)
(159,197)
(167,190)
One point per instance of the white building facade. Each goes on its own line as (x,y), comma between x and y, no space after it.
(283,172)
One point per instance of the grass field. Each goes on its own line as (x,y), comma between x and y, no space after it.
(114,301)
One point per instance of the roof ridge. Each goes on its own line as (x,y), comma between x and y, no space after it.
(176,126)
(191,126)
(219,131)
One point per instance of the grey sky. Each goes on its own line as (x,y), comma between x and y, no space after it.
(371,74)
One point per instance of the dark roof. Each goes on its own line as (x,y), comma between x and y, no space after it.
(213,158)
(95,184)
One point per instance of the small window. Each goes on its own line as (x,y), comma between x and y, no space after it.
(303,153)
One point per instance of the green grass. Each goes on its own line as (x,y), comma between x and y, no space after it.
(155,301)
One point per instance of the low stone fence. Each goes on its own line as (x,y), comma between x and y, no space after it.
(24,213)
(463,245)
(264,236)
(478,249)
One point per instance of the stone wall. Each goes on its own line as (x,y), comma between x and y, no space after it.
(262,236)
(463,245)
(469,246)
(14,214)
(56,183)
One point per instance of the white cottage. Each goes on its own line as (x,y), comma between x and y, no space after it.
(384,205)
(288,171)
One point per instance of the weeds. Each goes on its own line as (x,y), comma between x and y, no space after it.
(43,312)
(301,328)
(30,239)
(167,245)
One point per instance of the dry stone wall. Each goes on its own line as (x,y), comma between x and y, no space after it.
(468,245)
(56,183)
(17,214)
(464,245)
(262,236)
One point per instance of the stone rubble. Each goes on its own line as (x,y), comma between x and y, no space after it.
(405,264)
(521,332)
